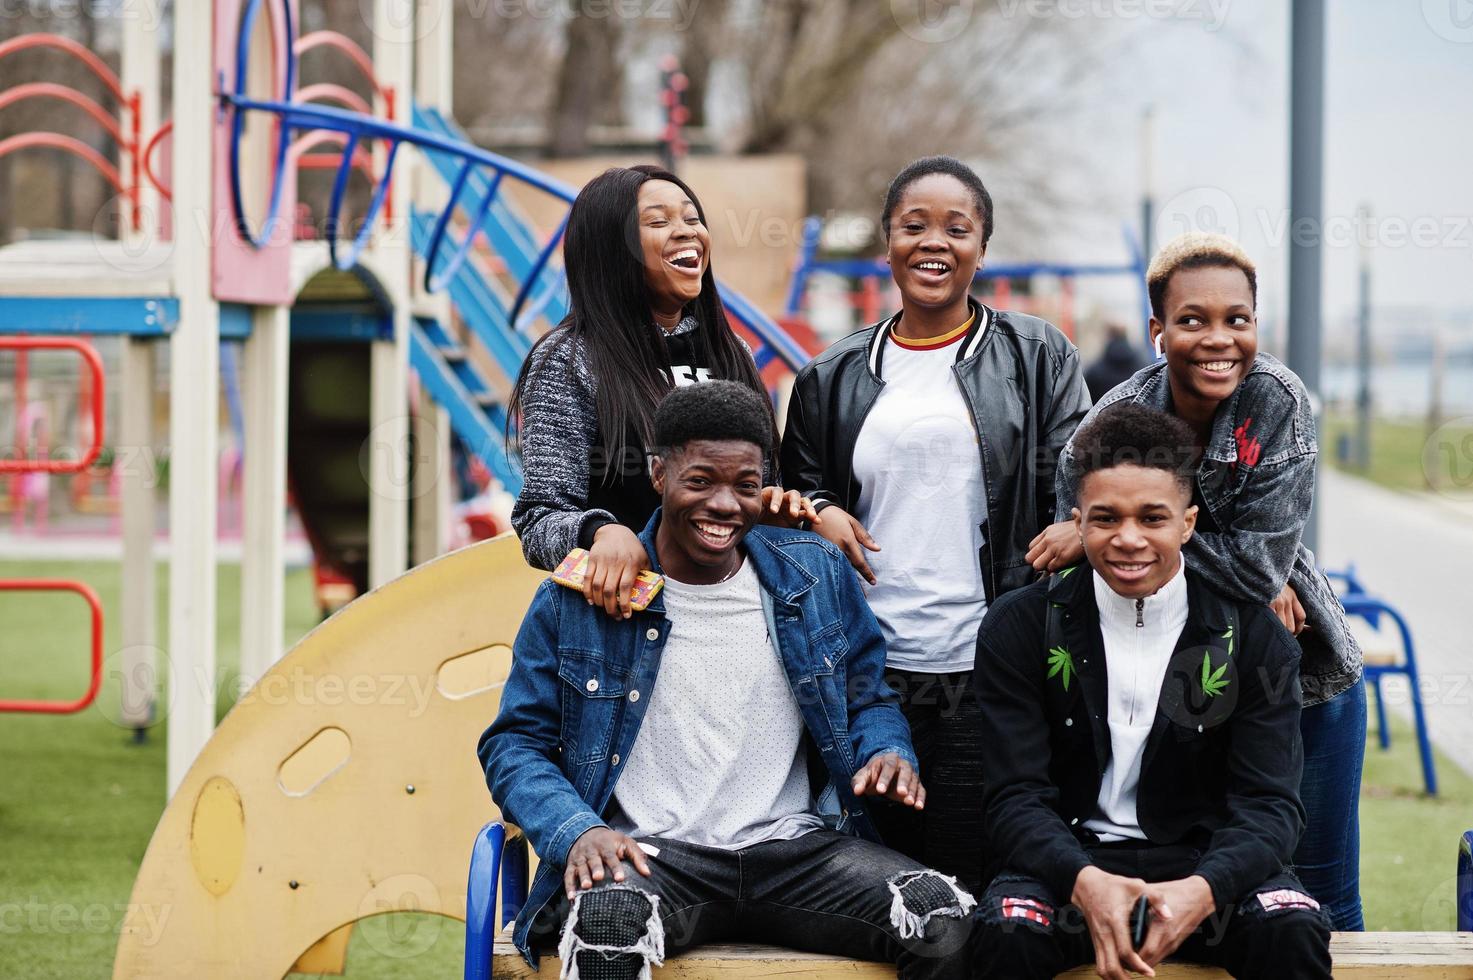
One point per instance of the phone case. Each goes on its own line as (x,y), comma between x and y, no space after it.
(572,571)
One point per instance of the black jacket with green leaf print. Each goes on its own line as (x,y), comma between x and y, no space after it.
(1222,763)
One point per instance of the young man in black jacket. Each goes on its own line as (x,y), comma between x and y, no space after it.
(1142,741)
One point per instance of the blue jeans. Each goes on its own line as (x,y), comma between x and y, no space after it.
(1328,858)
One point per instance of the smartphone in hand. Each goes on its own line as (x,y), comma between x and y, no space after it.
(1140,922)
(572,572)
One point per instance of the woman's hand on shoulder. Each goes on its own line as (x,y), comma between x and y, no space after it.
(787,508)
(1057,546)
(842,530)
(615,560)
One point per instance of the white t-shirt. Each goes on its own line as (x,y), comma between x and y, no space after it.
(1136,659)
(923,500)
(719,758)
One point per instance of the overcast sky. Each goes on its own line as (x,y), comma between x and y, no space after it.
(1398,137)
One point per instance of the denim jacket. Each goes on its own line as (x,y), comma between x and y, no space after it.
(1256,485)
(581,680)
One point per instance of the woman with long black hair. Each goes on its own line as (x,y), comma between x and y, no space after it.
(644,317)
(928,442)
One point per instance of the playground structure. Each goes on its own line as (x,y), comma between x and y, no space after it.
(264,855)
(365,310)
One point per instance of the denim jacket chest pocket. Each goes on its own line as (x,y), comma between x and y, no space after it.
(828,648)
(592,692)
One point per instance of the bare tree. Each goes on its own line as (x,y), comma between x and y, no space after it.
(586,87)
(859,90)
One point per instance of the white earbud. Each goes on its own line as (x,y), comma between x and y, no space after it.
(1157,344)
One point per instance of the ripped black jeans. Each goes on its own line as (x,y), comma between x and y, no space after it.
(1275,931)
(823,892)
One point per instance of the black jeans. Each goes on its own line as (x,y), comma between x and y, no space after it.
(824,892)
(946,730)
(1026,931)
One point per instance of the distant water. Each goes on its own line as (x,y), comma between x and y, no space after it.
(1402,389)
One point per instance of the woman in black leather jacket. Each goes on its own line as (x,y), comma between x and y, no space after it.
(928,443)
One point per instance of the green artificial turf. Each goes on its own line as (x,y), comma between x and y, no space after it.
(79,801)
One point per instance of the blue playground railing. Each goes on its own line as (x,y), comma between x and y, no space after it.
(1358,602)
(477,180)
(497,864)
(472,161)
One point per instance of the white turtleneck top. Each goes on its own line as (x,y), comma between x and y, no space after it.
(1139,636)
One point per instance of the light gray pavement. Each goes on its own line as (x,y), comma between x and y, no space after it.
(1416,552)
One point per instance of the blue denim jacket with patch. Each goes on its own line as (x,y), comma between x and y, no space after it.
(1256,479)
(581,681)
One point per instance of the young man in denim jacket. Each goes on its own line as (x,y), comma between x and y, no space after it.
(1142,737)
(695,771)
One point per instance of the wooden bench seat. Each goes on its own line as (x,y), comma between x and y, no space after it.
(1358,956)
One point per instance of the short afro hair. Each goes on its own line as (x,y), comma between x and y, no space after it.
(716,410)
(1129,434)
(952,167)
(1194,250)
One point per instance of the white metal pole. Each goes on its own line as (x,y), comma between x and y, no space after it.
(263,567)
(137,663)
(434,53)
(194,396)
(432,482)
(390,481)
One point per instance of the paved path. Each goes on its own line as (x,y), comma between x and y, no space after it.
(1417,553)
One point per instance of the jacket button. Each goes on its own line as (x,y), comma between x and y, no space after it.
(591,686)
(651,634)
(615,759)
(1068,722)
(633,695)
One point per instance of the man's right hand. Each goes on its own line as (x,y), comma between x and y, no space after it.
(844,532)
(1107,901)
(615,560)
(595,849)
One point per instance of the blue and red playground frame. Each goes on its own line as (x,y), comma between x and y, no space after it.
(356,127)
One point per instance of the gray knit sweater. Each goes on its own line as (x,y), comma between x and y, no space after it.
(569,491)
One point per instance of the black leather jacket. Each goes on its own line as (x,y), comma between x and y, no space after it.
(1021,378)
